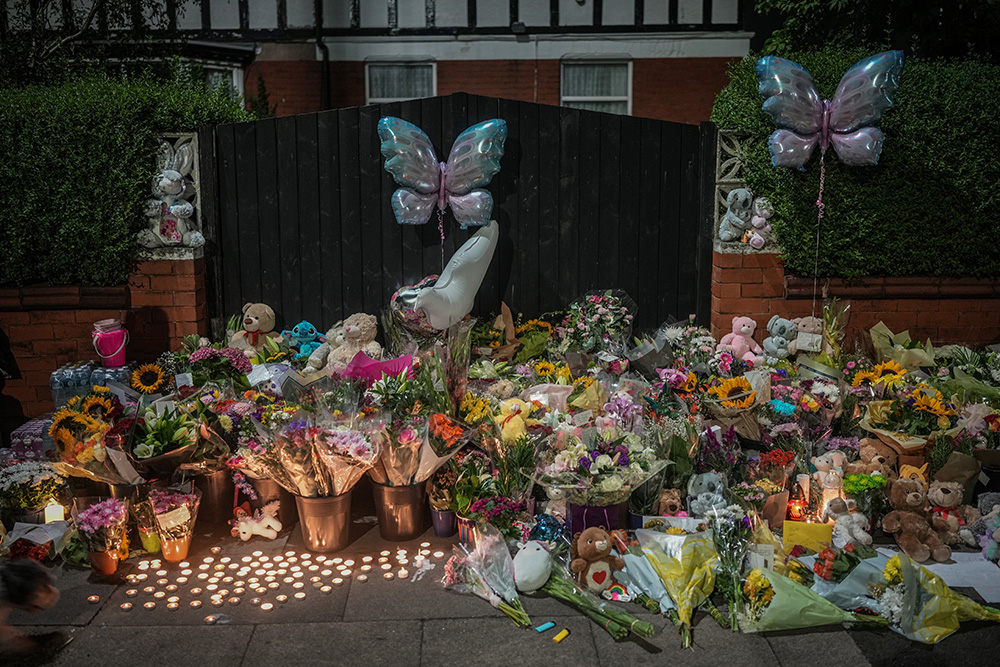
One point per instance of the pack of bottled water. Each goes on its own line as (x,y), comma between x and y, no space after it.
(76,379)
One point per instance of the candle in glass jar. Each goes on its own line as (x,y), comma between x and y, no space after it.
(54,512)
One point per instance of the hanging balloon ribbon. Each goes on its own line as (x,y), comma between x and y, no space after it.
(806,121)
(426,184)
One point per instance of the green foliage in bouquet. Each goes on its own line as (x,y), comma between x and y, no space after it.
(77,163)
(936,174)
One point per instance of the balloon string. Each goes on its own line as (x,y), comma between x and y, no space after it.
(441,232)
(821,207)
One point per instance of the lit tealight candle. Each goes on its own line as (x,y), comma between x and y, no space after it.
(212,587)
(326,589)
(383,553)
(281,598)
(162,582)
(150,605)
(424,552)
(326,573)
(131,593)
(203,576)
(439,554)
(182,580)
(288,580)
(349,563)
(143,565)
(239,591)
(172,606)
(305,556)
(149,590)
(210,620)
(338,581)
(300,595)
(218,602)
(94,599)
(171,588)
(126,606)
(417,559)
(257,554)
(425,544)
(388,576)
(195,604)
(204,566)
(228,580)
(141,577)
(184,563)
(315,579)
(404,561)
(207,559)
(366,559)
(383,559)
(155,563)
(216,550)
(267,606)
(234,601)
(255,601)
(337,561)
(287,553)
(298,584)
(159,595)
(161,573)
(195,591)
(225,559)
(366,568)
(403,573)
(386,566)
(361,577)
(346,573)
(173,598)
(273,584)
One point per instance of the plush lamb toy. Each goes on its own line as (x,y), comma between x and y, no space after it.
(761,232)
(320,357)
(592,561)
(263,522)
(782,331)
(740,342)
(950,518)
(737,218)
(170,213)
(258,322)
(845,529)
(910,524)
(360,330)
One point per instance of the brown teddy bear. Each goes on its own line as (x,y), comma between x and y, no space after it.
(359,331)
(592,560)
(258,322)
(949,517)
(671,503)
(876,457)
(910,524)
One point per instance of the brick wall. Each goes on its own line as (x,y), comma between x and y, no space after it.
(675,89)
(946,310)
(48,327)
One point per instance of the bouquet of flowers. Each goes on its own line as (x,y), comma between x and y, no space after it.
(102,525)
(171,433)
(596,466)
(210,364)
(920,606)
(30,485)
(441,488)
(775,602)
(719,454)
(503,513)
(732,535)
(347,454)
(298,462)
(594,322)
(749,496)
(401,442)
(174,514)
(486,571)
(692,345)
(474,480)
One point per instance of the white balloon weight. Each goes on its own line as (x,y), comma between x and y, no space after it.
(448,299)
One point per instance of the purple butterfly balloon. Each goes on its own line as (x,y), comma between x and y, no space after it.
(426,183)
(808,121)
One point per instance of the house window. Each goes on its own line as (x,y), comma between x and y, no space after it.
(226,78)
(396,81)
(598,86)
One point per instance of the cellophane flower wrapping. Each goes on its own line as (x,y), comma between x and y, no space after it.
(102,525)
(347,455)
(400,444)
(445,436)
(732,533)
(639,575)
(174,512)
(486,570)
(919,605)
(307,475)
(775,602)
(596,466)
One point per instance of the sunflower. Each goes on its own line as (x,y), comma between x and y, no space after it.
(889,373)
(97,406)
(584,381)
(69,427)
(148,378)
(730,393)
(564,375)
(690,383)
(544,368)
(71,403)
(864,378)
(98,389)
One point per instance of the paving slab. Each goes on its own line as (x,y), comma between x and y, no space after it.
(488,642)
(346,644)
(796,648)
(973,645)
(75,586)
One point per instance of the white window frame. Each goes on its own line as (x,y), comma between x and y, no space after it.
(596,98)
(408,62)
(235,70)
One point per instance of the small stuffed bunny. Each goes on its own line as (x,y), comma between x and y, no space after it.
(171,213)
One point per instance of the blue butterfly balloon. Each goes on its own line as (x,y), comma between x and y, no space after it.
(426,184)
(807,121)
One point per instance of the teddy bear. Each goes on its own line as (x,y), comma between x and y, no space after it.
(319,359)
(740,341)
(829,470)
(808,337)
(591,559)
(705,493)
(513,419)
(950,518)
(877,458)
(781,333)
(738,214)
(760,233)
(671,503)
(359,330)
(258,325)
(909,522)
(846,530)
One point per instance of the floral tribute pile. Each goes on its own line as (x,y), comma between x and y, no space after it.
(799,486)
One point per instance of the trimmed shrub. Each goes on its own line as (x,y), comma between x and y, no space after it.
(927,208)
(76,168)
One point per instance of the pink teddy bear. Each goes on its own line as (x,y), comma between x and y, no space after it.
(740,342)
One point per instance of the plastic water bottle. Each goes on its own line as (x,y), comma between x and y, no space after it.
(98,377)
(55,387)
(81,378)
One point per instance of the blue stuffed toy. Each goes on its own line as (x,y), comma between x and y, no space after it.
(304,337)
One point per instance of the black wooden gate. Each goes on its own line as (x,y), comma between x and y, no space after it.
(585,201)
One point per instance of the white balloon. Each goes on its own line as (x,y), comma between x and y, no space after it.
(451,298)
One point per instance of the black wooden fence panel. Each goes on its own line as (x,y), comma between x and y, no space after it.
(585,201)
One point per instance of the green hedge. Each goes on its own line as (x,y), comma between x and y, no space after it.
(76,164)
(928,208)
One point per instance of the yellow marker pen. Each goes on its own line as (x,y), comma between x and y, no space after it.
(561,636)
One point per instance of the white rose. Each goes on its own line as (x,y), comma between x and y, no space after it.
(612,483)
(604,461)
